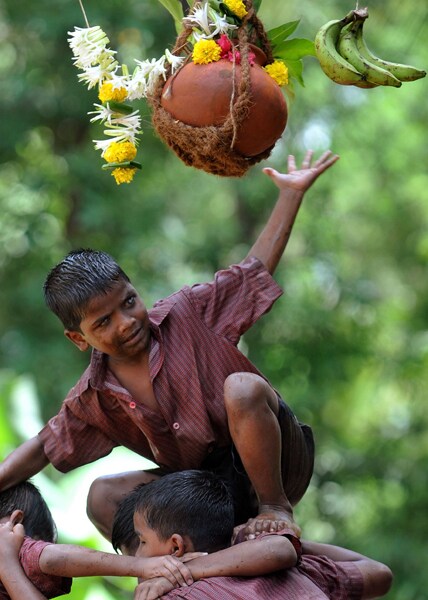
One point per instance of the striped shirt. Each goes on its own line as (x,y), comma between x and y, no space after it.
(193,348)
(316,578)
(50,586)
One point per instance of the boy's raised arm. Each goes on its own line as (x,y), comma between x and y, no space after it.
(292,186)
(21,464)
(12,576)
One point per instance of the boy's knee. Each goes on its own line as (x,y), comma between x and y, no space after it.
(247,391)
(98,496)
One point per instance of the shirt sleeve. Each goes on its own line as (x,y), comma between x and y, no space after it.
(71,442)
(49,585)
(338,580)
(236,298)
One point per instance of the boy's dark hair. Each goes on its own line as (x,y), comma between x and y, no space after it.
(197,504)
(123,535)
(37,521)
(76,280)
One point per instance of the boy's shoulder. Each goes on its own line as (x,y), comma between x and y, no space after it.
(49,585)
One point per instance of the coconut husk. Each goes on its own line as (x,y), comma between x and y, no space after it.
(211,148)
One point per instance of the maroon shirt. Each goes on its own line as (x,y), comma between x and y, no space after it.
(314,578)
(193,349)
(50,586)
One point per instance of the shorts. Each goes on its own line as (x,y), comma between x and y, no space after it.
(297,464)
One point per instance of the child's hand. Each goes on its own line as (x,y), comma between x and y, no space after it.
(169,567)
(11,538)
(301,179)
(152,589)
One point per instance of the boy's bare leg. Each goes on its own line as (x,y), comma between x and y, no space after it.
(106,493)
(252,408)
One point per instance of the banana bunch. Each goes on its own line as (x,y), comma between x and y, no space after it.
(345,58)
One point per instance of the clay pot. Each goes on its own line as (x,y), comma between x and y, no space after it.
(200,95)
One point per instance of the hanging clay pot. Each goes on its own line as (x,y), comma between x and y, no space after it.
(201,95)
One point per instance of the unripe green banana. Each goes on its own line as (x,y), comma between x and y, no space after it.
(332,63)
(347,47)
(401,72)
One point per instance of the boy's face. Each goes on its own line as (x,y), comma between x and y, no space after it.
(150,543)
(115,323)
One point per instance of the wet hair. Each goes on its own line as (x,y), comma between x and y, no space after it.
(37,520)
(123,536)
(197,504)
(81,276)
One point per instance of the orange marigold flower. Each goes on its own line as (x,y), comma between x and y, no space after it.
(108,93)
(123,174)
(237,7)
(278,71)
(206,51)
(119,152)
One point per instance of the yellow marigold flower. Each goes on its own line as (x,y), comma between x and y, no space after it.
(206,51)
(120,152)
(237,7)
(107,93)
(123,174)
(278,71)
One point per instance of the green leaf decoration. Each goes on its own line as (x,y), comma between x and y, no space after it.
(128,163)
(294,49)
(295,70)
(281,33)
(175,8)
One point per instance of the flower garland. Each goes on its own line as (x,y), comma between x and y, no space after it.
(213,23)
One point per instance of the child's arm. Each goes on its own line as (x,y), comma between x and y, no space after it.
(21,464)
(377,577)
(77,561)
(248,559)
(292,186)
(12,576)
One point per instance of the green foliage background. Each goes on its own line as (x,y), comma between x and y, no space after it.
(347,345)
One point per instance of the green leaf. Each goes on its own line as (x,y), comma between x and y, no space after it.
(295,70)
(126,163)
(279,34)
(294,49)
(174,8)
(256,5)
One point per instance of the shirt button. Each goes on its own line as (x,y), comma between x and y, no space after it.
(132,405)
(176,425)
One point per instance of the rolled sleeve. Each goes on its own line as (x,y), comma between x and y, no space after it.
(236,298)
(50,586)
(70,442)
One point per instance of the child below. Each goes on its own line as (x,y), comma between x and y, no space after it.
(193,510)
(48,566)
(171,384)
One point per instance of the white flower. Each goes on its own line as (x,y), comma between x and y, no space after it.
(198,18)
(93,76)
(88,44)
(220,23)
(208,21)
(174,61)
(103,113)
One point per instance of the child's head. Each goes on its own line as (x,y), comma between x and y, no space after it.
(76,280)
(30,509)
(194,507)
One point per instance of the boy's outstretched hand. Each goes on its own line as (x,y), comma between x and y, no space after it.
(302,179)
